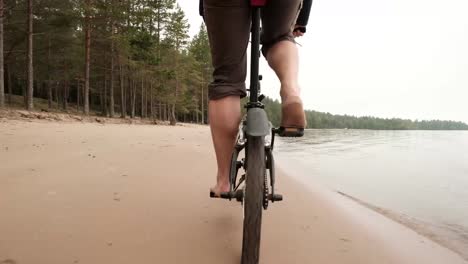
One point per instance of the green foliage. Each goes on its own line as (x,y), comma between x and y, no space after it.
(154,63)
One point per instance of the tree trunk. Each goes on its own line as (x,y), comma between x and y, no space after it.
(146,101)
(161,116)
(160,112)
(133,98)
(44,87)
(49,93)
(173,112)
(173,119)
(151,101)
(24,90)
(202,99)
(104,101)
(9,83)
(101,97)
(87,56)
(78,95)
(30,83)
(123,109)
(130,84)
(2,63)
(111,88)
(168,111)
(57,94)
(128,94)
(66,88)
(142,97)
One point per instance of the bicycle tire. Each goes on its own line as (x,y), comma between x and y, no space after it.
(253,200)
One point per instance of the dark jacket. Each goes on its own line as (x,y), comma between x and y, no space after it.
(302,20)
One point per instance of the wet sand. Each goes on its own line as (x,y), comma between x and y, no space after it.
(73,192)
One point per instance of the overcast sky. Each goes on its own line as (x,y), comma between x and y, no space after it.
(399,58)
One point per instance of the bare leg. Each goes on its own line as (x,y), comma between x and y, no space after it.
(283,58)
(225,115)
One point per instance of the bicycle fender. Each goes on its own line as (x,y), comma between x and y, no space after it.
(257,123)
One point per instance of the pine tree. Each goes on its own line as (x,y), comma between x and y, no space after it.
(87,28)
(177,36)
(200,50)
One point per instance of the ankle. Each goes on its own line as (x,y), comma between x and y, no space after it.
(289,90)
(285,100)
(223,178)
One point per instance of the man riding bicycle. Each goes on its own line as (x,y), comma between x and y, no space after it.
(228,26)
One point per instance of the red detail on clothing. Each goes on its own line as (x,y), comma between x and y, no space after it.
(258,2)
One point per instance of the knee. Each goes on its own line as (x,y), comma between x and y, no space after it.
(225,114)
(280,50)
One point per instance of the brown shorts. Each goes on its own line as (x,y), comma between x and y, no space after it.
(228,24)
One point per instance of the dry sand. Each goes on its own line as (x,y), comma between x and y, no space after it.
(73,192)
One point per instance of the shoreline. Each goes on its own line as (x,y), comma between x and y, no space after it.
(78,192)
(358,210)
(416,225)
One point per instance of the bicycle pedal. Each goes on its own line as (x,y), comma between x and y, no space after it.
(275,197)
(221,195)
(289,132)
(237,195)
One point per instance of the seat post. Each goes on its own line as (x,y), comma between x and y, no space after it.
(255,52)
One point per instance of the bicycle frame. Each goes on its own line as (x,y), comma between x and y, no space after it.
(257,120)
(255,51)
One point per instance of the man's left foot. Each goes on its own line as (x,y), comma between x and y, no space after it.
(217,190)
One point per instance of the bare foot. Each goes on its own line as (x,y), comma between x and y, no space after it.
(221,187)
(293,115)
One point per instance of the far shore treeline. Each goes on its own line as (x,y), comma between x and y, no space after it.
(326,120)
(124,58)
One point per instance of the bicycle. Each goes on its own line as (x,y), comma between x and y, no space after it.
(252,189)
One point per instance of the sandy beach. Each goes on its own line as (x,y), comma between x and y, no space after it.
(78,192)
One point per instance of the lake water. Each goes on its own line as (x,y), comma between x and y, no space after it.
(420,177)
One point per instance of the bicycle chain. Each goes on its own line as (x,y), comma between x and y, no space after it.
(265,192)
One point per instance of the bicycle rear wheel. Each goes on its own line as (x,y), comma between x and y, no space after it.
(253,199)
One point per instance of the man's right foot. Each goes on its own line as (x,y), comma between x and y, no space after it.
(293,119)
